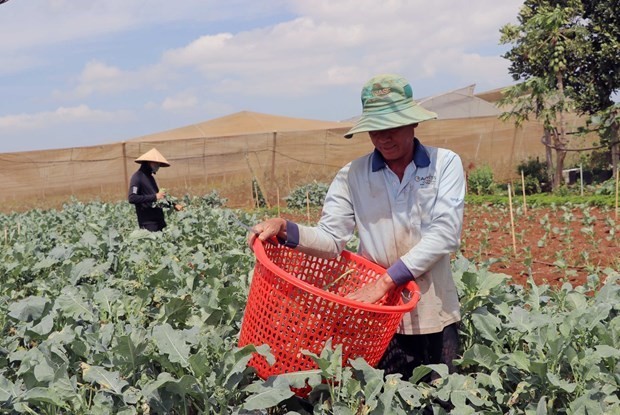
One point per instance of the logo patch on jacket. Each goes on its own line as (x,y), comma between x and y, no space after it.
(425,180)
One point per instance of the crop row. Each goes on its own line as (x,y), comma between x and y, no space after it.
(100,318)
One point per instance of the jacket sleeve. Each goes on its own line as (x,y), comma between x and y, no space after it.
(135,196)
(442,236)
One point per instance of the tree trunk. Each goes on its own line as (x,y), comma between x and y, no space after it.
(559,167)
(549,157)
(560,139)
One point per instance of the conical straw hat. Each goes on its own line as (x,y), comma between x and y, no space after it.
(153,155)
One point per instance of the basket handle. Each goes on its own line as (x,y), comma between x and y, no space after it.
(414,292)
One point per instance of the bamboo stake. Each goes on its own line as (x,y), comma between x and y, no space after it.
(512,222)
(523,188)
(255,194)
(6,241)
(308,205)
(252,195)
(617,180)
(288,179)
(581,179)
(278,199)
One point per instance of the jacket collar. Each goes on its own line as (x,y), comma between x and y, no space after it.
(420,157)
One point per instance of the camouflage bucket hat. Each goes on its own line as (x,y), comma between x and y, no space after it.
(387,102)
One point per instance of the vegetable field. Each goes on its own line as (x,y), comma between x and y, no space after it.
(100,318)
(553,244)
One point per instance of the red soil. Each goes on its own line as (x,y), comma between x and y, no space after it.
(560,245)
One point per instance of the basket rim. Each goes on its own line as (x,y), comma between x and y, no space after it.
(260,254)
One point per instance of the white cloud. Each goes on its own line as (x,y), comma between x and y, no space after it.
(340,43)
(345,43)
(309,52)
(180,101)
(62,115)
(100,78)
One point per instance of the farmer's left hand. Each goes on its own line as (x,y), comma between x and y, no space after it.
(373,292)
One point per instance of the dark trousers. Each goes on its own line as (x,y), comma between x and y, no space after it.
(408,351)
(153,227)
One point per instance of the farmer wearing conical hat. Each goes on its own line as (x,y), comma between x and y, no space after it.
(144,192)
(406,201)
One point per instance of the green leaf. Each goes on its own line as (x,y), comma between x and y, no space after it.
(340,408)
(541,408)
(186,385)
(110,381)
(172,343)
(267,394)
(607,351)
(72,304)
(487,324)
(82,270)
(128,353)
(8,390)
(411,394)
(303,378)
(106,298)
(177,310)
(419,372)
(491,280)
(481,355)
(371,379)
(38,395)
(518,359)
(28,309)
(45,326)
(561,383)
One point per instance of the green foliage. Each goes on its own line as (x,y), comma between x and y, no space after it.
(544,199)
(257,195)
(608,187)
(535,176)
(98,317)
(538,347)
(140,321)
(480,181)
(213,199)
(312,194)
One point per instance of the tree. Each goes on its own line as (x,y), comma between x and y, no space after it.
(567,54)
(598,77)
(548,35)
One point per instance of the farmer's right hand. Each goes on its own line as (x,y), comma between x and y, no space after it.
(268,229)
(160,195)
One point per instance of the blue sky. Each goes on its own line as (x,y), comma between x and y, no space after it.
(86,72)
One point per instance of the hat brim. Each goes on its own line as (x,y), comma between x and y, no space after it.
(153,156)
(375,122)
(153,161)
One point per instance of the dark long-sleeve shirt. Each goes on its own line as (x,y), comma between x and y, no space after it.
(142,193)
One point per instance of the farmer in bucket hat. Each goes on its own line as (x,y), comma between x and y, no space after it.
(406,201)
(144,192)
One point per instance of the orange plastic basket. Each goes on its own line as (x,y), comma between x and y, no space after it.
(295,304)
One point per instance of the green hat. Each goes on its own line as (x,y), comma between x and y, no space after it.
(387,102)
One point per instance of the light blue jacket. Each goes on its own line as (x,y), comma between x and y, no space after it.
(410,227)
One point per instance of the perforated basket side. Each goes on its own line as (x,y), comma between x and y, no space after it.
(292,313)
